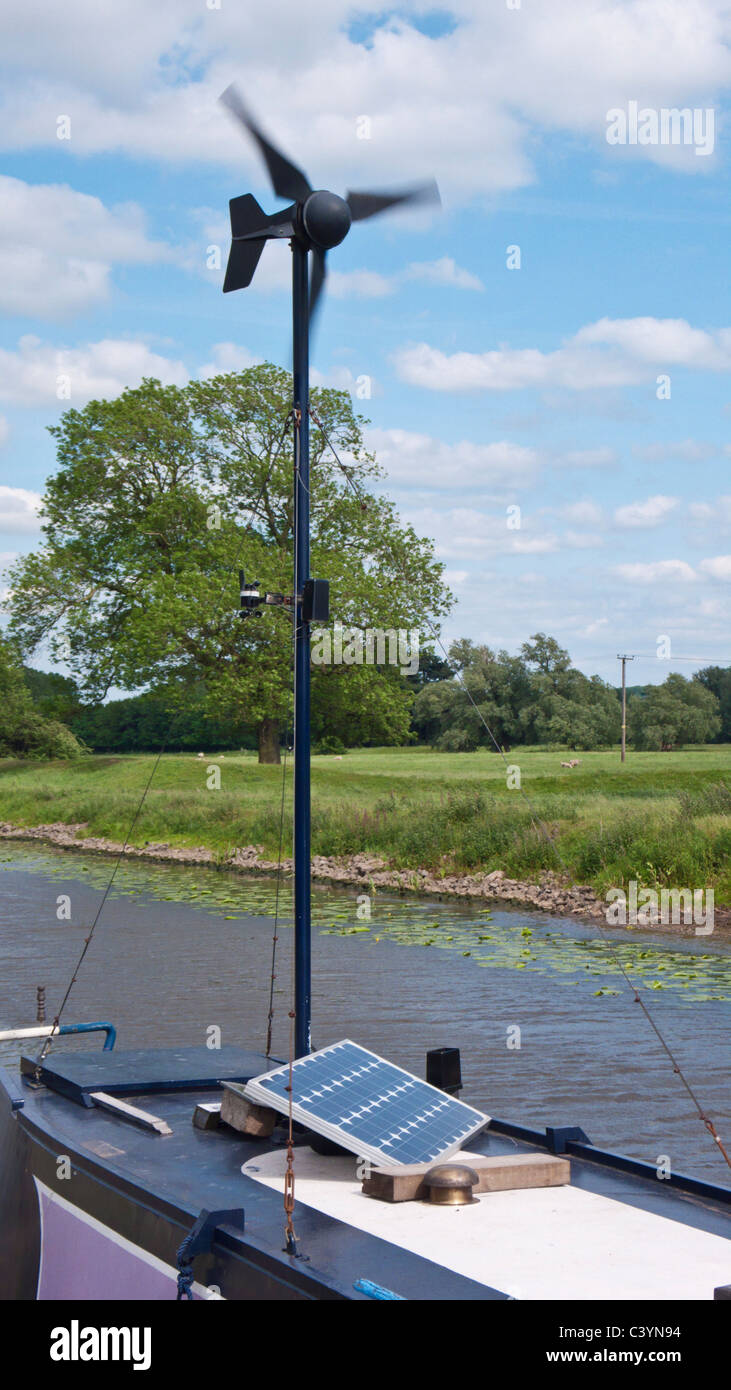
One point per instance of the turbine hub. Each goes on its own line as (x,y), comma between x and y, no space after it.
(326,219)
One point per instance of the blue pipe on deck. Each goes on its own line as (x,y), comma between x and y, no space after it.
(108,1028)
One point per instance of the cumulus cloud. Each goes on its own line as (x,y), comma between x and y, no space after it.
(58,247)
(370,284)
(718,512)
(410,458)
(657,572)
(36,372)
(648,513)
(718,566)
(444,271)
(583,540)
(359,284)
(608,353)
(673,342)
(228,357)
(686,450)
(588,458)
(19,509)
(478,536)
(143,80)
(584,512)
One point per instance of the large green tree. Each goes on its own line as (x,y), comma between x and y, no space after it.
(161,495)
(677,712)
(565,706)
(487,686)
(536,697)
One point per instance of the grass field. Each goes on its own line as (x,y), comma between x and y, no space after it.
(663,818)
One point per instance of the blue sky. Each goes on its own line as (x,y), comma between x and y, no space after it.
(492,387)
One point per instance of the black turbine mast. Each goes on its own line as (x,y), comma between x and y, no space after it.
(314,223)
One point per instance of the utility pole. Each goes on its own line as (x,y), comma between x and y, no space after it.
(624,659)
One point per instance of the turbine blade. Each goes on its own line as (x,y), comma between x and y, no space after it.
(287,180)
(317,279)
(364,205)
(243,259)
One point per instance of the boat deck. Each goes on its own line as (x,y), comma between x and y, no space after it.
(610,1234)
(563,1243)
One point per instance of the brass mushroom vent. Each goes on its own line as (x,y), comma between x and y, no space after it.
(451,1185)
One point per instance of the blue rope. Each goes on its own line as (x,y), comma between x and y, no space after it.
(185,1271)
(372,1290)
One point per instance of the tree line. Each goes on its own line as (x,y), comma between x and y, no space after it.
(479,698)
(537,697)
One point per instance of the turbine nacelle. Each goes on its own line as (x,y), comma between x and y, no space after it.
(316,218)
(326,219)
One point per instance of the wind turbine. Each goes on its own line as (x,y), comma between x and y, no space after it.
(315,221)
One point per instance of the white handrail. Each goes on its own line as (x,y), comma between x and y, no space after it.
(43,1031)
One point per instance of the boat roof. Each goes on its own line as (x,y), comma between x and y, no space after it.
(616,1231)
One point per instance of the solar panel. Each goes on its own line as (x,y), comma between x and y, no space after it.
(366,1104)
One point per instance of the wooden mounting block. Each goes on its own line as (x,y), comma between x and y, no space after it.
(499,1174)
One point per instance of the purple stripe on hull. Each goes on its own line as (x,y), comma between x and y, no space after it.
(83,1259)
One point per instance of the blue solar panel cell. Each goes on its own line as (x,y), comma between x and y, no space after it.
(370,1106)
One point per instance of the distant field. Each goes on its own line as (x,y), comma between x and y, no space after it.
(663,818)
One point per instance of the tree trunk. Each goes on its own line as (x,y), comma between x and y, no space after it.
(269,741)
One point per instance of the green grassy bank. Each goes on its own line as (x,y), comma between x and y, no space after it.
(663,818)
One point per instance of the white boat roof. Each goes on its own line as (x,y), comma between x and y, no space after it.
(534,1243)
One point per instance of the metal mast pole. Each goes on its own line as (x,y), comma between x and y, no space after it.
(301,401)
(624,660)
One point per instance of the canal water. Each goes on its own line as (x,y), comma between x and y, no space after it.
(548,1030)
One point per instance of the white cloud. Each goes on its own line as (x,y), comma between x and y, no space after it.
(718,566)
(719,512)
(468,534)
(583,540)
(588,458)
(30,375)
(360,284)
(4,430)
(418,459)
(228,357)
(687,450)
(534,545)
(58,246)
(19,509)
(648,513)
(370,284)
(341,378)
(143,80)
(657,572)
(674,342)
(444,271)
(607,353)
(585,511)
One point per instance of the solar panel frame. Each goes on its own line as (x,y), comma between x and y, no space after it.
(397,1123)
